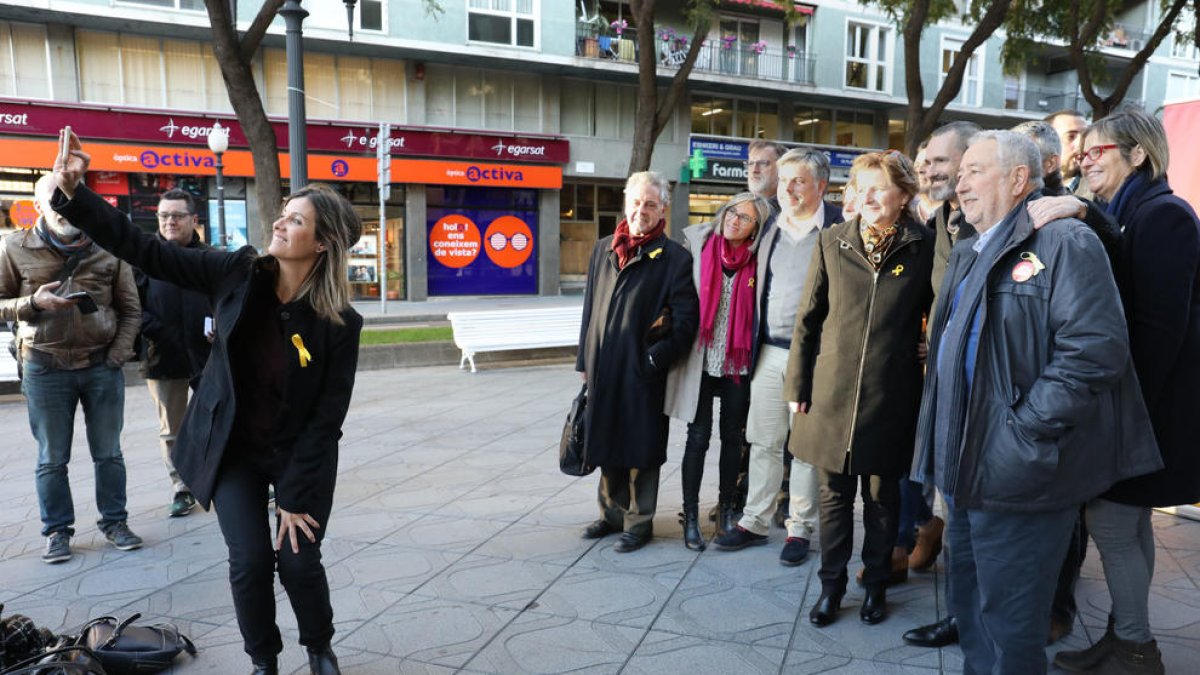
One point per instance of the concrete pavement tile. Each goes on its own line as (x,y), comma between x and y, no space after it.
(537,643)
(445,533)
(707,606)
(569,508)
(203,598)
(670,653)
(417,495)
(1189,565)
(64,611)
(752,566)
(355,523)
(1176,533)
(850,637)
(624,598)
(493,581)
(432,630)
(805,663)
(659,556)
(502,505)
(539,543)
(395,570)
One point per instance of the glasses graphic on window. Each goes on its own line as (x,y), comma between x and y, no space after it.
(498,241)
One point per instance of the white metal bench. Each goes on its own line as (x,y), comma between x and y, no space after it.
(511,329)
(8,365)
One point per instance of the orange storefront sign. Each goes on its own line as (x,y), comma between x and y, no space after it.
(39,154)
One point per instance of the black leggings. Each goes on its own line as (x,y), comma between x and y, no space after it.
(735,405)
(240,498)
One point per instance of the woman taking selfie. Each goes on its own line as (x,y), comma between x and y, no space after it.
(718,366)
(272,398)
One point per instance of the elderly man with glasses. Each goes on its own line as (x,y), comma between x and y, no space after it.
(175,338)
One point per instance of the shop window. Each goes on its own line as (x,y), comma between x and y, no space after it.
(867,47)
(136,70)
(505,22)
(24,67)
(757,119)
(338,86)
(896,132)
(812,125)
(719,116)
(854,129)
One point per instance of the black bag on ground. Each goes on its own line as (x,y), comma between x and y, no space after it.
(63,659)
(21,640)
(125,649)
(572,459)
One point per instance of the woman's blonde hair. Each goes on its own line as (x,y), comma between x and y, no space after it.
(898,169)
(1128,128)
(327,287)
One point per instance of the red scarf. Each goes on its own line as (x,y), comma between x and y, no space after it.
(716,257)
(624,243)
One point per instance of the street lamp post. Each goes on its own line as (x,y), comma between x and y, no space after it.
(218,142)
(293,16)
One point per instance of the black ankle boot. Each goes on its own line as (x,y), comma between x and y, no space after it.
(268,666)
(726,517)
(323,662)
(690,519)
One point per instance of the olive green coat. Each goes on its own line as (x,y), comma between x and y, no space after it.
(854,352)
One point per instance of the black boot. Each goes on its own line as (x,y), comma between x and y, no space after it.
(726,517)
(323,662)
(690,519)
(1087,660)
(1132,658)
(268,666)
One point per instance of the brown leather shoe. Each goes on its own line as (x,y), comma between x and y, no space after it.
(929,545)
(899,568)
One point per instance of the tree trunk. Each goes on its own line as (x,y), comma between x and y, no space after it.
(652,114)
(234,58)
(921,121)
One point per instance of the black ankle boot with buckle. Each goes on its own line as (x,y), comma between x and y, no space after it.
(267,666)
(690,519)
(323,662)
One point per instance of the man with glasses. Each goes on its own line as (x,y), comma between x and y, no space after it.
(77,314)
(175,338)
(762,176)
(783,259)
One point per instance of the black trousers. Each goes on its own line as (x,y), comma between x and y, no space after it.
(240,498)
(1064,608)
(881,509)
(735,405)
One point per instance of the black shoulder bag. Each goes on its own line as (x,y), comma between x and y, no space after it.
(572,457)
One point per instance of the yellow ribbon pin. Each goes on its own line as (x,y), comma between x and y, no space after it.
(1038,265)
(655,253)
(298,343)
(898,269)
(751,282)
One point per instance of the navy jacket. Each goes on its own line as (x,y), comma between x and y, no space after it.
(316,395)
(174,346)
(1055,416)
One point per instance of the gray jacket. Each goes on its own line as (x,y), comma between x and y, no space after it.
(683,382)
(1055,415)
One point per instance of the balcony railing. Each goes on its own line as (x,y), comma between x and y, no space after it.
(1043,100)
(722,57)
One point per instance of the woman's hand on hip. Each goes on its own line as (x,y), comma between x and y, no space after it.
(290,523)
(798,407)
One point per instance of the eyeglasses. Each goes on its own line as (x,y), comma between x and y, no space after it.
(518,241)
(173,215)
(740,217)
(758,164)
(1095,152)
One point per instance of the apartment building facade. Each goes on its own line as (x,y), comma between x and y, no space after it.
(511,120)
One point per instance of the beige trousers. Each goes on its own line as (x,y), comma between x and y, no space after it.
(171,398)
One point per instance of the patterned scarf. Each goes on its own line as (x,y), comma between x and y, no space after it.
(716,257)
(624,244)
(876,241)
(65,249)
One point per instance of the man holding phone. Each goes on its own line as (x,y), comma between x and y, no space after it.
(77,314)
(175,340)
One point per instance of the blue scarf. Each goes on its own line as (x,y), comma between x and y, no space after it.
(65,249)
(1129,193)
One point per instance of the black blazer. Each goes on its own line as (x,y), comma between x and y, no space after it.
(316,397)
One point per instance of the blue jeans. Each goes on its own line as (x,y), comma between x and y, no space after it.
(914,512)
(1004,567)
(51,397)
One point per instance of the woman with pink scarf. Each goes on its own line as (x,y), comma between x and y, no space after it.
(724,269)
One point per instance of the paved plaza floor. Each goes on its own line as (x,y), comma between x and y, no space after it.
(454,547)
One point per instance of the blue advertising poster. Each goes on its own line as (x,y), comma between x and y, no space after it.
(716,148)
(235,224)
(482,242)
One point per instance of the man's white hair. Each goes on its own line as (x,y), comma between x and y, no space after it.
(1012,150)
(650,178)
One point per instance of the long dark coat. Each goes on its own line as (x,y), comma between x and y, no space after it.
(1158,274)
(174,346)
(854,352)
(626,426)
(316,395)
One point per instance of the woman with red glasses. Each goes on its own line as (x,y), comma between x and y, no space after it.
(1124,161)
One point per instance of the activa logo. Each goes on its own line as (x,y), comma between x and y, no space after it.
(519,150)
(476,174)
(180,160)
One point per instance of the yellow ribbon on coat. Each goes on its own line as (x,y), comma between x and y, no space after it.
(298,343)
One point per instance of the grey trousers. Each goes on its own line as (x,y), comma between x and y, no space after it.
(628,498)
(1125,538)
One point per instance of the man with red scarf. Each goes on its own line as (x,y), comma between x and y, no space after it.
(640,314)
